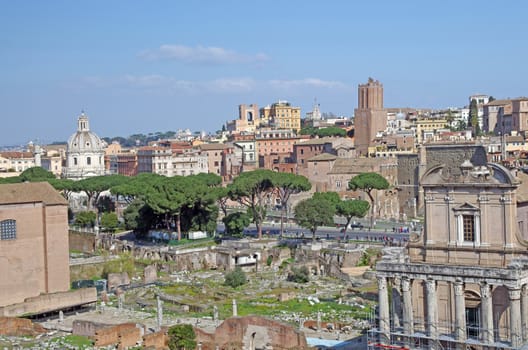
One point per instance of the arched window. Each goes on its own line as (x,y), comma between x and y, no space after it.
(8,229)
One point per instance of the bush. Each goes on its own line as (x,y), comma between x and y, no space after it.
(85,218)
(182,336)
(299,275)
(109,222)
(235,278)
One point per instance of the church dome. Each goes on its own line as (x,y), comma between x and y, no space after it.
(84,153)
(84,140)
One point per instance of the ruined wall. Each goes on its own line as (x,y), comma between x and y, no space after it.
(158,341)
(126,333)
(254,332)
(86,328)
(12,326)
(50,302)
(81,241)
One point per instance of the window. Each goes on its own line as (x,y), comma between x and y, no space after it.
(74,161)
(467,219)
(89,160)
(468,223)
(7,229)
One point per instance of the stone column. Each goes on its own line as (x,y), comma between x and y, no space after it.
(524,313)
(235,310)
(486,310)
(408,321)
(515,317)
(432,306)
(160,312)
(396,303)
(383,309)
(460,311)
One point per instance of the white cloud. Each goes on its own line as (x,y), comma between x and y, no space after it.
(200,54)
(308,82)
(169,84)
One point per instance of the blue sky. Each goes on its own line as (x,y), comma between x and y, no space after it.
(147,66)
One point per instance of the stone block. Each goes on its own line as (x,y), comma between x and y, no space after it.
(150,275)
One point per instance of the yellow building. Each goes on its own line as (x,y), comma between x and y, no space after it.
(281,115)
(426,128)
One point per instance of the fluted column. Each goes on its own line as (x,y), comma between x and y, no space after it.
(524,313)
(383,309)
(460,311)
(486,311)
(396,303)
(408,320)
(515,317)
(432,308)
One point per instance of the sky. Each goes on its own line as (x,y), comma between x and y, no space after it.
(149,66)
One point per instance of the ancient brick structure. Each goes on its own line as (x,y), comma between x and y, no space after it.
(158,340)
(127,334)
(13,326)
(252,332)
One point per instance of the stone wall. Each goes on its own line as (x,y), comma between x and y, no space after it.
(126,333)
(158,340)
(12,326)
(253,332)
(117,279)
(50,302)
(86,328)
(81,241)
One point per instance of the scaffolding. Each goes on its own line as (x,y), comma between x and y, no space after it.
(397,339)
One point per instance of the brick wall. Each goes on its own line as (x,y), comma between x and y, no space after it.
(112,335)
(158,340)
(13,326)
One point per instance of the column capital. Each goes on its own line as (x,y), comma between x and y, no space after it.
(406,284)
(458,286)
(514,294)
(430,285)
(485,290)
(382,282)
(524,290)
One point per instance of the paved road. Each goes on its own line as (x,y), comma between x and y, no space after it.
(293,231)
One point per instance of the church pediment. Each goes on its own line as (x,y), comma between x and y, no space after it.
(466,206)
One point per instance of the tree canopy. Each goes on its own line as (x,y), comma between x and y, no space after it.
(367,182)
(312,213)
(285,185)
(352,208)
(250,189)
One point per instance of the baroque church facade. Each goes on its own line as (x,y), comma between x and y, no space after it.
(463,282)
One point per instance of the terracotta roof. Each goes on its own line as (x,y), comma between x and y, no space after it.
(516,138)
(320,141)
(322,157)
(355,165)
(498,103)
(212,146)
(15,154)
(30,192)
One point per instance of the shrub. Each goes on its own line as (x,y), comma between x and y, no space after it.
(182,336)
(235,278)
(85,218)
(299,275)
